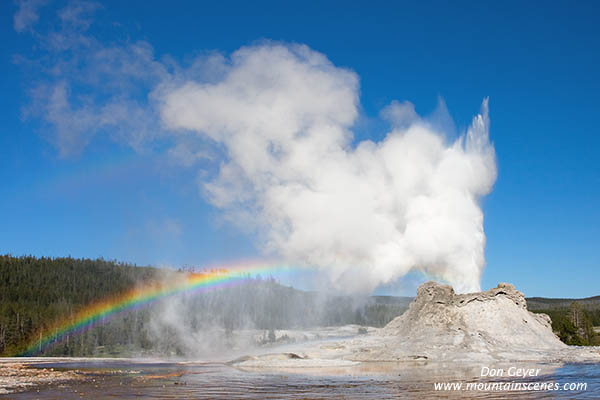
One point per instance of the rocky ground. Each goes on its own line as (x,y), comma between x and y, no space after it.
(15,376)
(440,330)
(18,374)
(442,326)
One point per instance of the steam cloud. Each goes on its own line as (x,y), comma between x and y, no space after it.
(366,213)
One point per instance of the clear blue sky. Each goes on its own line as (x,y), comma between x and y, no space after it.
(537,61)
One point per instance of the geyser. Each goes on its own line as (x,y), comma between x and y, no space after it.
(440,326)
(366,212)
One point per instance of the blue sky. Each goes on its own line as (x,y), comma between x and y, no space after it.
(537,62)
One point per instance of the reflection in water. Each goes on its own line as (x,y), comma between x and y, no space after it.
(124,380)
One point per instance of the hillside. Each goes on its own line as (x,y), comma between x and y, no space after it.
(543,303)
(573,320)
(36,292)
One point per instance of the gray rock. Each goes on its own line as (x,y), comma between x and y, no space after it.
(441,325)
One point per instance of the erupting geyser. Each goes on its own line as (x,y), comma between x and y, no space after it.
(366,212)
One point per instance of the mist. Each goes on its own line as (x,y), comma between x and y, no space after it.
(366,213)
(269,131)
(256,313)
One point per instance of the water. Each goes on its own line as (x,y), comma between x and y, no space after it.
(164,380)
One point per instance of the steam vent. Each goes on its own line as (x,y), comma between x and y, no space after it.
(494,325)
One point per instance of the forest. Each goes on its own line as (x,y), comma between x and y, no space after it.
(37,292)
(573,320)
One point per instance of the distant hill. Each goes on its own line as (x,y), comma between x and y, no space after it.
(396,300)
(36,292)
(573,320)
(543,303)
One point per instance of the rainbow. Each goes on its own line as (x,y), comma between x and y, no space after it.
(102,311)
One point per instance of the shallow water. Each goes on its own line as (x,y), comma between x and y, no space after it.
(164,380)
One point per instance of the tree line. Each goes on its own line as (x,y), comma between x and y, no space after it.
(574,325)
(37,292)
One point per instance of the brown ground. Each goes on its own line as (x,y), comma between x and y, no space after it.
(16,376)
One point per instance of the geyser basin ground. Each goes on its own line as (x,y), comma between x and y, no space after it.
(134,379)
(443,337)
(441,326)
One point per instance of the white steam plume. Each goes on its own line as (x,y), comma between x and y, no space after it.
(367,212)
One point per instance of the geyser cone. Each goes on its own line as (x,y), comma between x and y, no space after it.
(487,322)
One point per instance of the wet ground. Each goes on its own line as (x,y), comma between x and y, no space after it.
(123,379)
